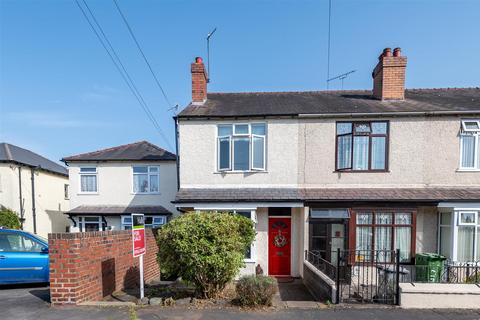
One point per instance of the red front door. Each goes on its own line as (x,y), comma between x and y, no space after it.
(279,247)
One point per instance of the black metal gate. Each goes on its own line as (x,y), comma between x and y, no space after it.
(368,276)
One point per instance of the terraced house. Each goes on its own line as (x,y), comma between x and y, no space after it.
(357,171)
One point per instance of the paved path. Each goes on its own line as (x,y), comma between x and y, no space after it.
(31,303)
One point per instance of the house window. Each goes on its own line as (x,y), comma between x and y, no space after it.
(445,234)
(384,230)
(468,238)
(90,223)
(362,146)
(241,147)
(469,145)
(150,222)
(65,191)
(88,180)
(146,179)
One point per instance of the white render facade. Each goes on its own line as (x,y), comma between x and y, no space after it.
(104,193)
(50,197)
(326,171)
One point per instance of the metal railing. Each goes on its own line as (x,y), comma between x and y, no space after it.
(321,264)
(447,272)
(369,276)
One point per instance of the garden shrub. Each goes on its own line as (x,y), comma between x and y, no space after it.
(9,219)
(473,278)
(206,249)
(255,290)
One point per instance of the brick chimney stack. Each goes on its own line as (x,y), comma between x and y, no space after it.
(389,75)
(199,82)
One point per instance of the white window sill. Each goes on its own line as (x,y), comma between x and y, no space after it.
(468,170)
(240,172)
(145,193)
(249,260)
(87,193)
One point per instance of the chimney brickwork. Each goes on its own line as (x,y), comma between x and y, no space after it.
(199,82)
(389,75)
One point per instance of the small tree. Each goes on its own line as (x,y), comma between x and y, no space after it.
(206,249)
(9,219)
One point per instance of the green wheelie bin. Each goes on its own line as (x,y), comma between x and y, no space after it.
(428,267)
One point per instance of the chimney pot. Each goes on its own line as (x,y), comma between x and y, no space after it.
(397,52)
(198,60)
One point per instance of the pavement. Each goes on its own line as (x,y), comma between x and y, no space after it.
(32,303)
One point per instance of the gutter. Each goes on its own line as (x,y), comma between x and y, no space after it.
(175,119)
(388,114)
(332,115)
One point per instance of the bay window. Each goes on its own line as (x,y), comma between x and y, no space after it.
(384,229)
(241,147)
(146,179)
(362,146)
(88,180)
(469,145)
(459,237)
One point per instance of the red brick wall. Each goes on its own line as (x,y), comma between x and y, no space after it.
(87,266)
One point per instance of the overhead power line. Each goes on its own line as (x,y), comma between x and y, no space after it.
(142,53)
(119,66)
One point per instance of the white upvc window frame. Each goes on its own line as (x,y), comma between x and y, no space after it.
(474,223)
(250,136)
(476,134)
(91,173)
(455,225)
(82,222)
(149,174)
(125,224)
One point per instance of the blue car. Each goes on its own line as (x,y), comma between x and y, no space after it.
(23,257)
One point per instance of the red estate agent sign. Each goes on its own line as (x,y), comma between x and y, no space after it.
(139,244)
(138,234)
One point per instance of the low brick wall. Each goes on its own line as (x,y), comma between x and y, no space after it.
(88,266)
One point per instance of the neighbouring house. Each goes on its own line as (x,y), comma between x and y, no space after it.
(357,171)
(108,185)
(35,188)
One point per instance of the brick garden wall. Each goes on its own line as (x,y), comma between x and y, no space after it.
(88,266)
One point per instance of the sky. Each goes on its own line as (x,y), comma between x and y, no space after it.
(60,94)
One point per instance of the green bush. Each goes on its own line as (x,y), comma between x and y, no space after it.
(255,290)
(473,278)
(206,249)
(9,219)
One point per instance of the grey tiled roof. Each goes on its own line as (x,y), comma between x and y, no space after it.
(332,102)
(117,210)
(14,154)
(326,194)
(138,151)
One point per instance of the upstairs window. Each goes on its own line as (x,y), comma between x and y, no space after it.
(241,147)
(469,145)
(146,179)
(88,180)
(362,146)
